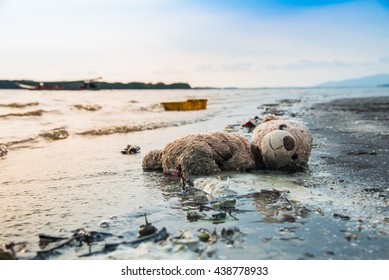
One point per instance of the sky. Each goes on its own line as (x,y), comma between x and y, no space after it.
(221,43)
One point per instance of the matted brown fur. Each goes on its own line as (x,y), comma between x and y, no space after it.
(202,154)
(152,160)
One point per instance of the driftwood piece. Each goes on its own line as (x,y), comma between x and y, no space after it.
(162,234)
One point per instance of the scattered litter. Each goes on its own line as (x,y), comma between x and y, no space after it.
(219,216)
(231,128)
(341,216)
(224,204)
(79,237)
(231,235)
(350,235)
(4,255)
(216,187)
(104,224)
(147,233)
(361,152)
(147,228)
(8,251)
(160,235)
(204,235)
(130,149)
(251,124)
(45,239)
(193,216)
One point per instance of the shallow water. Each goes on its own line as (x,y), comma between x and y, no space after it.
(55,187)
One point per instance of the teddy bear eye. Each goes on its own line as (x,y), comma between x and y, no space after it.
(282,127)
(295,156)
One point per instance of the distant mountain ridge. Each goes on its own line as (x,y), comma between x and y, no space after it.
(368,81)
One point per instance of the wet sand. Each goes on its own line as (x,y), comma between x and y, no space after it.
(353,140)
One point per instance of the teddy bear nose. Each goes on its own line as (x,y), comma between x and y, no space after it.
(289,143)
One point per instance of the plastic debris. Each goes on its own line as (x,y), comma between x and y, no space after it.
(147,228)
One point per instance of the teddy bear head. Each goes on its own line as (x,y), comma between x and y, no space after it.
(281,144)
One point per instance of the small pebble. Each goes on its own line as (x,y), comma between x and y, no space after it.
(104,224)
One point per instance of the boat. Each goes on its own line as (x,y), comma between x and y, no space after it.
(62,85)
(186,105)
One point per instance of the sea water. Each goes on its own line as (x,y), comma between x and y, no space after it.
(56,183)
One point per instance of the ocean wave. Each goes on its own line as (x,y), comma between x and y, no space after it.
(136,127)
(3,150)
(18,143)
(152,108)
(61,133)
(123,129)
(19,105)
(55,134)
(36,113)
(88,107)
(52,135)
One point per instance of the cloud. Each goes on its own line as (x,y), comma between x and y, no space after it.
(383,60)
(237,67)
(230,67)
(309,64)
(203,68)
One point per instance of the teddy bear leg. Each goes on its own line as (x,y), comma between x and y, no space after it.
(152,161)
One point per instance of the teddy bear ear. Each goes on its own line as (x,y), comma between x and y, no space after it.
(271,117)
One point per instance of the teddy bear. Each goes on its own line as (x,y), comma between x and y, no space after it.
(276,144)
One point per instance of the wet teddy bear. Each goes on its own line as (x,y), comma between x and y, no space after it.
(276,144)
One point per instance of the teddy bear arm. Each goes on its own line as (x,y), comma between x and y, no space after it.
(198,160)
(239,162)
(242,158)
(220,146)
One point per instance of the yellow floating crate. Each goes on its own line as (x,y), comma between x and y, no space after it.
(188,105)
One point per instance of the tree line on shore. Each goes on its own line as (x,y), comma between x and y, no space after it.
(13,84)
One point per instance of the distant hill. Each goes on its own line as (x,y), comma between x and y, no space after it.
(12,84)
(368,81)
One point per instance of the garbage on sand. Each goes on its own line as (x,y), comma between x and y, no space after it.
(130,149)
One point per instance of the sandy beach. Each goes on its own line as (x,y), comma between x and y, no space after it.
(338,209)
